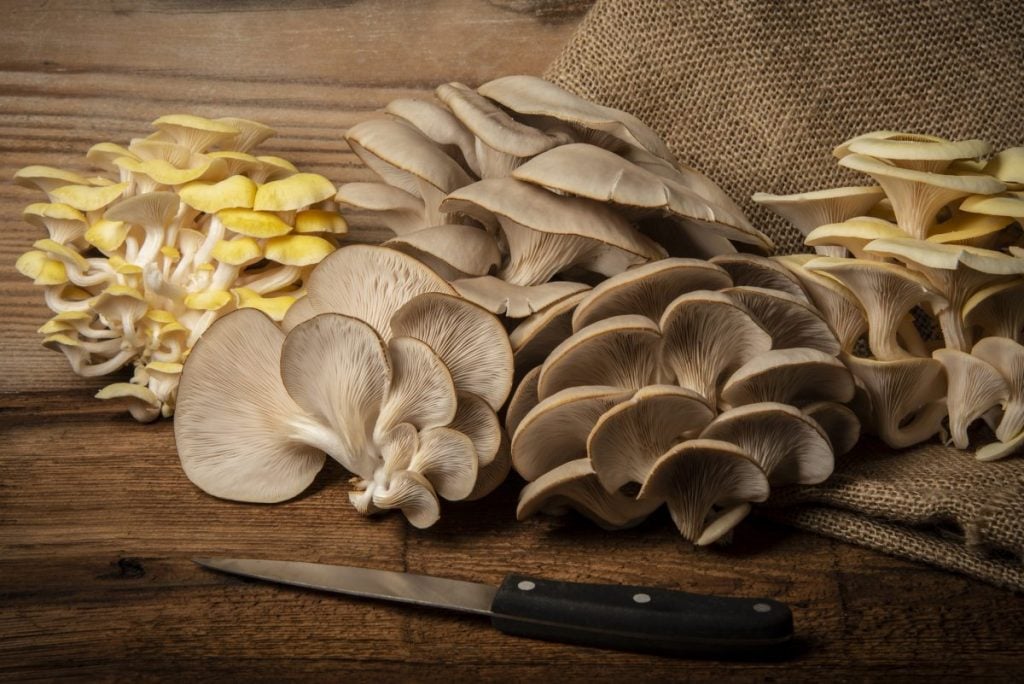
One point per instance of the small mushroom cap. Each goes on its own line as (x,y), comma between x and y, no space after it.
(838,421)
(370,283)
(789,376)
(400,211)
(900,149)
(808,210)
(412,493)
(974,387)
(788,445)
(1007,357)
(195,132)
(700,474)
(948,257)
(1009,205)
(448,460)
(234,192)
(535,337)
(789,320)
(62,223)
(257,224)
(555,430)
(574,485)
(320,221)
(515,301)
(472,343)
(621,351)
(629,437)
(106,235)
(210,300)
(292,193)
(43,270)
(250,133)
(232,412)
(978,230)
(337,370)
(274,307)
(648,289)
(493,474)
(1007,166)
(437,123)
(478,421)
(708,335)
(421,391)
(998,309)
(143,404)
(758,271)
(523,401)
(237,252)
(854,233)
(460,250)
(535,96)
(844,149)
(298,250)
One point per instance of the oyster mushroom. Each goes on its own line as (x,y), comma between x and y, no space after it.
(789,376)
(758,271)
(789,320)
(974,387)
(535,338)
(837,304)
(452,251)
(809,210)
(1006,356)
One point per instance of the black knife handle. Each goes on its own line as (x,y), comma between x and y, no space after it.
(642,618)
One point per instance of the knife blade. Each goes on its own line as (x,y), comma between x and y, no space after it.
(612,616)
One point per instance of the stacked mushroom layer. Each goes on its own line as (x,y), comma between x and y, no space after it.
(383,368)
(183,226)
(521,194)
(689,383)
(936,243)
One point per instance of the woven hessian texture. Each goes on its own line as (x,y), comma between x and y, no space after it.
(756,94)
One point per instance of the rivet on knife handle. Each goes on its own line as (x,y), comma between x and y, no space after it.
(640,618)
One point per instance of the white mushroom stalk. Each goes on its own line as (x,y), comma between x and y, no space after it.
(186,226)
(550,192)
(936,273)
(401,392)
(700,404)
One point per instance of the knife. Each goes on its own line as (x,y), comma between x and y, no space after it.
(603,615)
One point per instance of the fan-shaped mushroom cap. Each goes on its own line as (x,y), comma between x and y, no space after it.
(143,404)
(974,387)
(923,153)
(595,173)
(907,404)
(421,391)
(918,196)
(320,221)
(523,400)
(534,339)
(515,301)
(478,421)
(46,178)
(1008,205)
(61,223)
(789,320)
(534,96)
(301,310)
(471,342)
(621,351)
(1007,166)
(789,376)
(1007,357)
(274,307)
(233,421)
(789,446)
(809,210)
(646,290)
(234,192)
(555,430)
(195,132)
(250,133)
(397,209)
(438,124)
(696,476)
(370,283)
(298,250)
(575,485)
(336,369)
(840,424)
(294,192)
(257,224)
(453,251)
(547,234)
(977,230)
(705,336)
(887,293)
(85,198)
(853,234)
(998,309)
(410,492)
(629,437)
(494,473)
(448,460)
(758,271)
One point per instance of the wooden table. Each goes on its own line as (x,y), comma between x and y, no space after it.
(97,521)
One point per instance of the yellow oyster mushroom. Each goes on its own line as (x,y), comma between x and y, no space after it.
(143,403)
(47,178)
(298,250)
(292,193)
(320,221)
(105,235)
(87,198)
(208,301)
(275,307)
(194,132)
(237,252)
(234,192)
(257,224)
(42,269)
(61,222)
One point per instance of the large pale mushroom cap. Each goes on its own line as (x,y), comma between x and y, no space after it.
(808,210)
(759,271)
(1007,357)
(789,376)
(974,387)
(789,320)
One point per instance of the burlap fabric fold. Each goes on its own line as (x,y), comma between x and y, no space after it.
(756,94)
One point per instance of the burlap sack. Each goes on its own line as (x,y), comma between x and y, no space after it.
(756,94)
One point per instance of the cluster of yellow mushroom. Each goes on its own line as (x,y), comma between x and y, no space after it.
(928,266)
(177,229)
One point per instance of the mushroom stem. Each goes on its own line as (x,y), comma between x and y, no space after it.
(272,280)
(954,333)
(306,430)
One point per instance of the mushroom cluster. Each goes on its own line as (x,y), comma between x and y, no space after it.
(181,227)
(935,247)
(696,384)
(523,194)
(383,367)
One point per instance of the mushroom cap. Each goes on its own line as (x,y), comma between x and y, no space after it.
(400,211)
(838,421)
(151,209)
(478,421)
(700,474)
(629,437)
(515,301)
(294,192)
(1007,165)
(536,336)
(621,351)
(301,310)
(789,320)
(85,198)
(489,476)
(998,309)
(978,230)
(1007,357)
(808,210)
(531,95)
(257,224)
(471,342)
(947,257)
(234,192)
(298,250)
(758,271)
(421,391)
(707,335)
(250,133)
(143,404)
(438,124)
(460,250)
(974,387)
(412,493)
(648,289)
(789,376)
(195,132)
(787,444)
(447,458)
(523,400)
(1009,205)
(106,235)
(899,148)
(555,430)
(243,250)
(320,221)
(854,233)
(231,421)
(370,283)
(274,307)
(844,149)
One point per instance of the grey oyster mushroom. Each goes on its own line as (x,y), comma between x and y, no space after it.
(553,192)
(699,402)
(387,371)
(935,273)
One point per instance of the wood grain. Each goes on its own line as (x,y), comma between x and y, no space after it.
(97,521)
